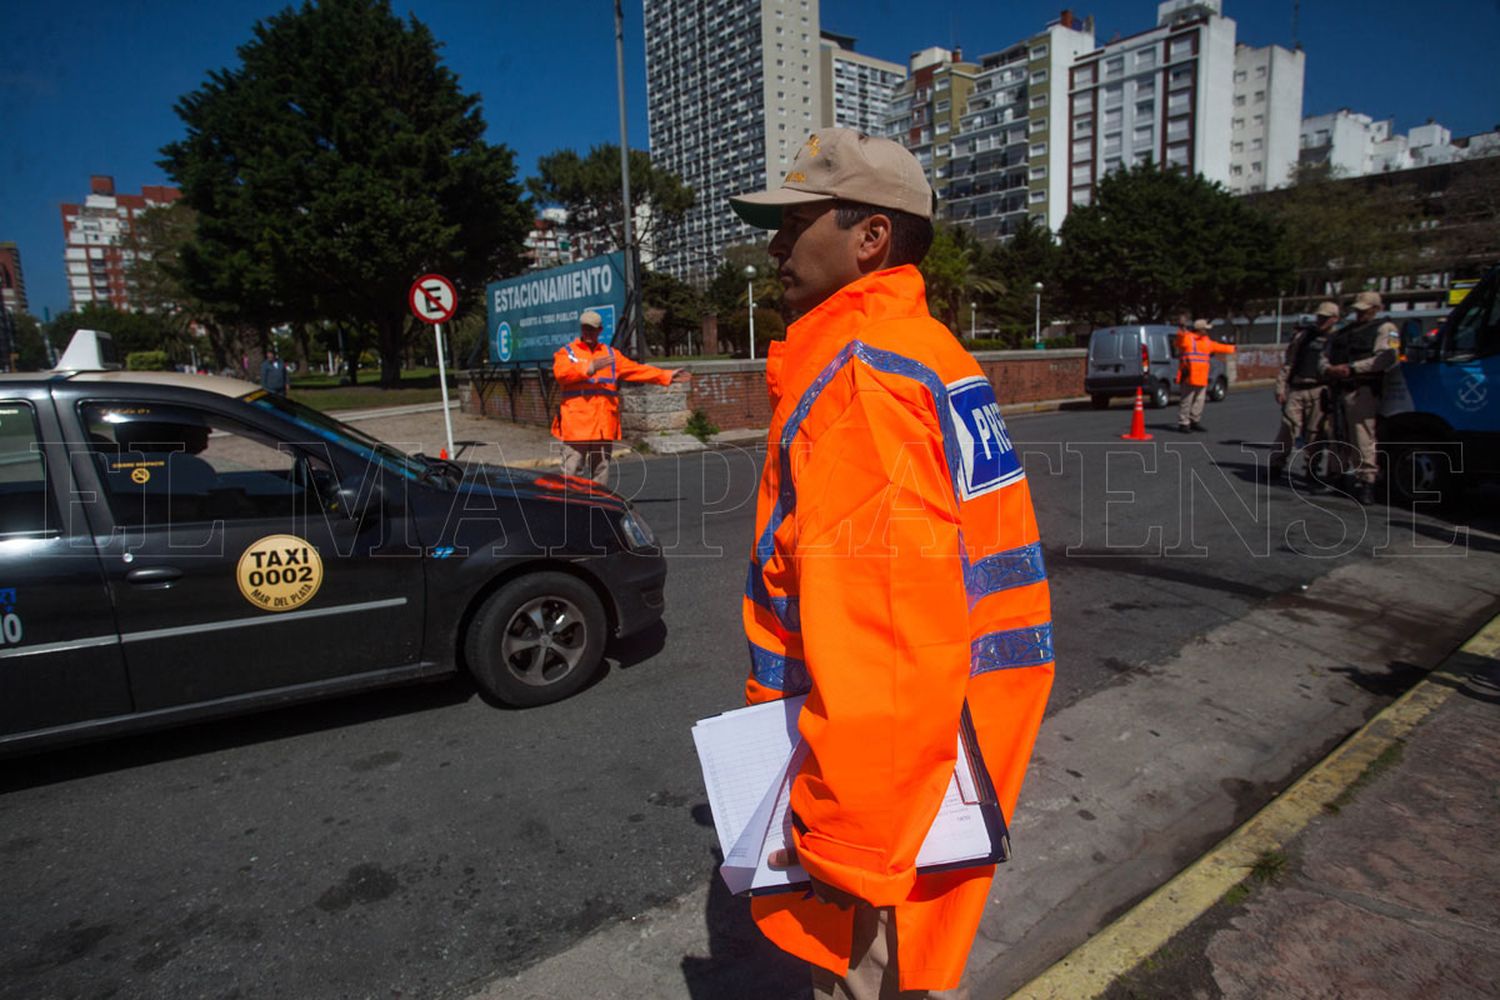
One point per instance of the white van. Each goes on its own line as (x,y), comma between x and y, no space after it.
(1124,358)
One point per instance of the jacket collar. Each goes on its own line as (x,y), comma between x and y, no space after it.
(895,293)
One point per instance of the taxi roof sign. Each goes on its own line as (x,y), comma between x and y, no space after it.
(89,351)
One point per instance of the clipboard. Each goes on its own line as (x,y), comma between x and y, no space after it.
(751,756)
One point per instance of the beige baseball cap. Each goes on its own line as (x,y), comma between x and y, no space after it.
(1328,309)
(1200,325)
(1367,300)
(591,319)
(850,166)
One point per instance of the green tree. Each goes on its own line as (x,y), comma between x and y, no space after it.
(1344,232)
(30,349)
(674,311)
(335,164)
(726,296)
(588,187)
(1155,241)
(954,276)
(1029,256)
(130,331)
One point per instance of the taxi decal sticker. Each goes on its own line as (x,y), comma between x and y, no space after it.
(279,572)
(11,631)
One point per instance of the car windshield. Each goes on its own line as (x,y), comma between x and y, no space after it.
(328,429)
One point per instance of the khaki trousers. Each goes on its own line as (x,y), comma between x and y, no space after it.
(1301,416)
(588,459)
(1190,410)
(1360,407)
(872,967)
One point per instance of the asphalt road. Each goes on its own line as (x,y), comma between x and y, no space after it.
(419,842)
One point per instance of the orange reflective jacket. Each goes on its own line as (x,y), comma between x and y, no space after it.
(1195,349)
(896,572)
(590,409)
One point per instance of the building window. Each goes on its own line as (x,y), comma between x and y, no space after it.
(1177,156)
(1083,173)
(1258,121)
(1145,58)
(1083,149)
(1083,103)
(1255,167)
(1182,48)
(1146,87)
(1112,143)
(1040,76)
(1260,97)
(1145,109)
(1179,102)
(1239,76)
(1038,149)
(1142,136)
(1255,144)
(1037,197)
(1038,173)
(1083,76)
(1082,195)
(1236,147)
(1039,125)
(1114,67)
(1039,101)
(1083,126)
(1235,170)
(1040,52)
(1114,96)
(1260,72)
(1239,123)
(1177,128)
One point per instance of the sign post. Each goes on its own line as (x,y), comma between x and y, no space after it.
(433,300)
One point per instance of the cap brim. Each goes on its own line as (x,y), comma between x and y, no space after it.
(763,208)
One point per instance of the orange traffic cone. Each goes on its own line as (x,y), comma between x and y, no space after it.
(1137,421)
(443,453)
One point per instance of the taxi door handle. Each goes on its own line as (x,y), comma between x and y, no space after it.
(154,577)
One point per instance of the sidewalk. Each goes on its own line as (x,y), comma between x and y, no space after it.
(1372,876)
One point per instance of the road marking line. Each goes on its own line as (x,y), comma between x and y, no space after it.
(1090,968)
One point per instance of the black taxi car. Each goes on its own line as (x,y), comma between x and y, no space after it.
(175,547)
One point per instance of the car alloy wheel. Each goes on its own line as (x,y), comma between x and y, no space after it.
(537,639)
(543,641)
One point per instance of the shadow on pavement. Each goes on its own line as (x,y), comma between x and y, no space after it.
(741,963)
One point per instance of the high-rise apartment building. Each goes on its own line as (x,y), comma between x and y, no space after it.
(857,89)
(1002,165)
(926,112)
(1160,95)
(732,90)
(1267,117)
(12,280)
(95,234)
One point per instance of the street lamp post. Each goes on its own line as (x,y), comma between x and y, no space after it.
(1038,289)
(1279,296)
(750,300)
(972,328)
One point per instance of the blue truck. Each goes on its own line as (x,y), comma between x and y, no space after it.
(1440,407)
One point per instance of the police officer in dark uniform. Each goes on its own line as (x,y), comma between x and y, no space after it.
(1299,391)
(1356,361)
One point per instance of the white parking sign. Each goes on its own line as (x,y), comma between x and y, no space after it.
(433,298)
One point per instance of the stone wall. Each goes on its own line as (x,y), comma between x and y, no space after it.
(732,394)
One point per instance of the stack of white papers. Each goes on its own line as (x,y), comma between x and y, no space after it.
(749,758)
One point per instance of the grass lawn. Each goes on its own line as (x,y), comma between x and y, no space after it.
(325,392)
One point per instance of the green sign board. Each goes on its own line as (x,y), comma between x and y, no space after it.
(533,315)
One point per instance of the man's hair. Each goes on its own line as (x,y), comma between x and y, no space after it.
(911,235)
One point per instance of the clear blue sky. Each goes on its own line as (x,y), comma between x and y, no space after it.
(87,87)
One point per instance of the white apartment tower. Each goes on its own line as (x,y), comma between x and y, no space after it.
(732,90)
(857,89)
(1158,96)
(1005,165)
(1266,117)
(97,233)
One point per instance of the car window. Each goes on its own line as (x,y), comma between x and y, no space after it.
(25,508)
(172,464)
(1477,329)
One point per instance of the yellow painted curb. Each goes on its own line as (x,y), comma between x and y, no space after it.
(1091,967)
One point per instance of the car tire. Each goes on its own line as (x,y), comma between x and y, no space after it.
(1418,473)
(1158,395)
(536,640)
(1100,401)
(1218,390)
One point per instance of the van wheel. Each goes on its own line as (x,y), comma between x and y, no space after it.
(1158,396)
(1100,401)
(1218,390)
(1420,473)
(536,640)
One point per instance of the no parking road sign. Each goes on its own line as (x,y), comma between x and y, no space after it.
(433,298)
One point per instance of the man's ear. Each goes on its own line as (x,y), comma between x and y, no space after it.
(874,242)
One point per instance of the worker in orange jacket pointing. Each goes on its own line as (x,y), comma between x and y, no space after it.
(1195,347)
(588,420)
(896,575)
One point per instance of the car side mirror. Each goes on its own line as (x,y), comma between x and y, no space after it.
(360,499)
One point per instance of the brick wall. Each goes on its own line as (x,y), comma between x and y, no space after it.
(733,393)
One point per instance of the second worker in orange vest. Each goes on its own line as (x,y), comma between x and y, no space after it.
(1195,346)
(896,575)
(589,375)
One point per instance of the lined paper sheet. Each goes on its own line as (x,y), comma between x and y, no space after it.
(749,758)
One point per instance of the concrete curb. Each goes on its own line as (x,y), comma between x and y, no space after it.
(1091,967)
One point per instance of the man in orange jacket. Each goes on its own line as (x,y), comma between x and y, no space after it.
(896,575)
(1195,346)
(588,420)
